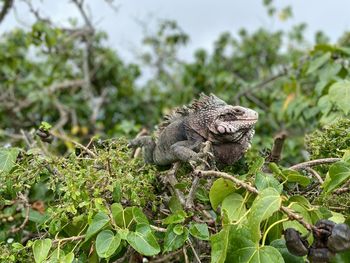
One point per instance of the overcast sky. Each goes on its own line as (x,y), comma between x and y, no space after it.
(203,20)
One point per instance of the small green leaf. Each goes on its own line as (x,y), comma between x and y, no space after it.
(219,190)
(8,158)
(139,216)
(172,241)
(107,243)
(339,94)
(68,258)
(176,218)
(338,173)
(295,177)
(199,231)
(318,62)
(143,240)
(257,165)
(178,229)
(98,222)
(41,249)
(122,217)
(263,181)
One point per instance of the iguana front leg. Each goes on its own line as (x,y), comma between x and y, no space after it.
(184,151)
(147,143)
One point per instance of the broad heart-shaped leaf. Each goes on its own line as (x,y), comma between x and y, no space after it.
(318,62)
(199,231)
(267,202)
(242,249)
(173,241)
(263,181)
(337,174)
(235,207)
(219,190)
(339,94)
(107,243)
(295,177)
(41,249)
(219,244)
(143,240)
(256,254)
(280,245)
(8,158)
(98,222)
(122,217)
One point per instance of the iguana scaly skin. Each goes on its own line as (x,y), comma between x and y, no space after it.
(179,137)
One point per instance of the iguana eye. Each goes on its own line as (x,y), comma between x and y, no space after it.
(238,112)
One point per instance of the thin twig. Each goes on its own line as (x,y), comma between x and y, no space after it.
(194,251)
(276,152)
(171,179)
(312,163)
(73,238)
(66,138)
(314,174)
(26,205)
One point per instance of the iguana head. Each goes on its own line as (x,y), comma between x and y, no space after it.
(232,122)
(218,122)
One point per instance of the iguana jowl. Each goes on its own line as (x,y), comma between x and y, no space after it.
(179,137)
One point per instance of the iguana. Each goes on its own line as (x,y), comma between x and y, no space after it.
(180,135)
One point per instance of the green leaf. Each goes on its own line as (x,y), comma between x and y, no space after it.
(68,258)
(255,254)
(117,193)
(339,94)
(280,245)
(295,177)
(301,210)
(219,190)
(263,181)
(338,173)
(172,241)
(176,218)
(219,244)
(234,206)
(41,249)
(256,166)
(98,222)
(318,62)
(139,216)
(107,243)
(143,240)
(122,217)
(8,158)
(266,203)
(174,204)
(199,231)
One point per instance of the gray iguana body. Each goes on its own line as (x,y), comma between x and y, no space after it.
(179,137)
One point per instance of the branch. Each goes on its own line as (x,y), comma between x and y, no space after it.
(5,9)
(275,155)
(66,138)
(304,165)
(286,210)
(26,205)
(74,238)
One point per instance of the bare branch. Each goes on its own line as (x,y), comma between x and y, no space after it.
(5,9)
(275,155)
(304,165)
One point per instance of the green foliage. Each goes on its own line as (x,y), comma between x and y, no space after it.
(64,202)
(331,141)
